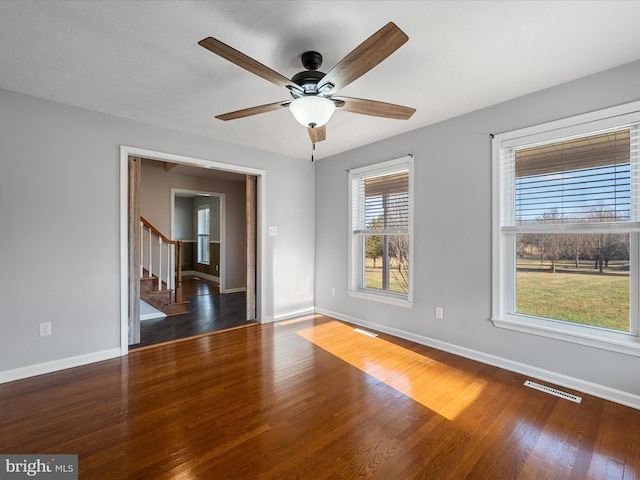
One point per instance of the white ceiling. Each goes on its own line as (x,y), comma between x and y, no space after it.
(141,59)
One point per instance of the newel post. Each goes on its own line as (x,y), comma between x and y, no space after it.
(179,271)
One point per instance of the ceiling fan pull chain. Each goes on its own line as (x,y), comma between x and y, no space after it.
(313,148)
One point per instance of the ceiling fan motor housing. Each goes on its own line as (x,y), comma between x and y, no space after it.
(308,80)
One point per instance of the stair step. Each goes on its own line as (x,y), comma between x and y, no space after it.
(169,308)
(162,300)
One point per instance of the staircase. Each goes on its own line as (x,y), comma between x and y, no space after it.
(160,254)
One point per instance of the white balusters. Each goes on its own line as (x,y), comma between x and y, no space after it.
(164,259)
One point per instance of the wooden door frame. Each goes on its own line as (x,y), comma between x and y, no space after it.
(250,216)
(125,153)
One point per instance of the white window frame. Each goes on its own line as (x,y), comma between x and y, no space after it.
(503,263)
(355,265)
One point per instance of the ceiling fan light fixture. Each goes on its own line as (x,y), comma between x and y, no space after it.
(312,111)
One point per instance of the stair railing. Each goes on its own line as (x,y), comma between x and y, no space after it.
(161,256)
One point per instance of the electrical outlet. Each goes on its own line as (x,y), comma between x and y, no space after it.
(333,292)
(439,312)
(45,329)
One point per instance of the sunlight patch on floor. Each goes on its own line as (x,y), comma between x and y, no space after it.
(435,385)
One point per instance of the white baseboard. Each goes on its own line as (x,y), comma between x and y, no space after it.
(206,276)
(601,391)
(211,278)
(235,290)
(297,313)
(56,365)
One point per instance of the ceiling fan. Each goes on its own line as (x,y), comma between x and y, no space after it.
(312,90)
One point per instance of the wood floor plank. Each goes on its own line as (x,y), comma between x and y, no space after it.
(311,399)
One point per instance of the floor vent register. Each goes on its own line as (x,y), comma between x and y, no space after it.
(553,391)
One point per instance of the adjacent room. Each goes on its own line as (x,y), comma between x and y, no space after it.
(346,239)
(202,213)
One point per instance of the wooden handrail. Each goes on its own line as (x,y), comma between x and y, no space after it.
(150,226)
(178,245)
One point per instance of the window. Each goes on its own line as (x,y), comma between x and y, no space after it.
(381,232)
(566,229)
(203,234)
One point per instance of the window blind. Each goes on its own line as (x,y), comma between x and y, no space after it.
(383,204)
(585,179)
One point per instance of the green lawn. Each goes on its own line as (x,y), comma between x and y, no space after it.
(373,278)
(580,296)
(576,295)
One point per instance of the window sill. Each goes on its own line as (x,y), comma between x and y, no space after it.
(626,343)
(381,298)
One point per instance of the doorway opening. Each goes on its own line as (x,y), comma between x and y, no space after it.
(199,220)
(254,283)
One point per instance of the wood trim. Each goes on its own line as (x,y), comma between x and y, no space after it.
(134,170)
(251,218)
(186,339)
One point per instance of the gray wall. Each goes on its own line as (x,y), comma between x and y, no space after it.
(60,257)
(184,228)
(452,256)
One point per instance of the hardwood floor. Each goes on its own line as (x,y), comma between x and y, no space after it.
(193,286)
(208,312)
(312,399)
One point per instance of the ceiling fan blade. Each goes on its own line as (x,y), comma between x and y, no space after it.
(247,112)
(374,108)
(317,134)
(246,62)
(366,56)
